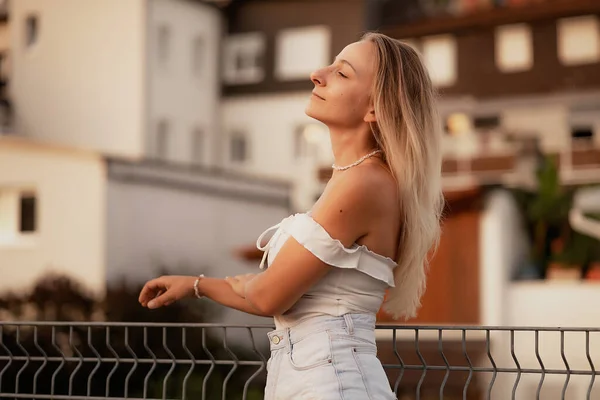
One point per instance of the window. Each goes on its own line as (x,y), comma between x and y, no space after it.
(582,133)
(163,43)
(439,54)
(31,30)
(239,148)
(18,213)
(514,48)
(578,40)
(243,58)
(584,120)
(198,145)
(197,55)
(308,138)
(301,145)
(486,122)
(161,143)
(27,212)
(299,51)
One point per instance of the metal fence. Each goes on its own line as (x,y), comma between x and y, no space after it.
(55,360)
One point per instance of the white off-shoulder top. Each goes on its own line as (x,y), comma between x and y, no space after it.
(356,285)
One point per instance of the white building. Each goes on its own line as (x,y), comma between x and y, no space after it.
(52,213)
(110,172)
(100,221)
(270,135)
(136,78)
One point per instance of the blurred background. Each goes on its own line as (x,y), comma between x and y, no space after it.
(148,136)
(141,137)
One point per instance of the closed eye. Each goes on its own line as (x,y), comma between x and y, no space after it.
(342,75)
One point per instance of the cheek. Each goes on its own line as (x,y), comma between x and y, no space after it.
(352,103)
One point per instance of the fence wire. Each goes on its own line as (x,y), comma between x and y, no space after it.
(55,360)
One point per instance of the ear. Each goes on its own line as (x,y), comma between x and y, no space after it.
(370,115)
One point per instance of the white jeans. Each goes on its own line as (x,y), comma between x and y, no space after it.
(327,358)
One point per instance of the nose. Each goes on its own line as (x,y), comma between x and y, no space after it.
(317,78)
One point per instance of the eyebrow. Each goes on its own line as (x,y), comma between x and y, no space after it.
(348,63)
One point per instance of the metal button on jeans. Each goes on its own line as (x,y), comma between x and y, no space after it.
(276,339)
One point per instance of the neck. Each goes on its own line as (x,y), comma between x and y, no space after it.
(348,145)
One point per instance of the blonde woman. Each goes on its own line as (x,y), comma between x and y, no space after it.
(371,230)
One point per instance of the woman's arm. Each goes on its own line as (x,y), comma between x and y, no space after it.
(168,289)
(221,291)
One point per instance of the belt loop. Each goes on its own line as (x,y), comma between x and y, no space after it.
(349,323)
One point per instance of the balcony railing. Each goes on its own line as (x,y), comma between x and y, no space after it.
(59,360)
(437,17)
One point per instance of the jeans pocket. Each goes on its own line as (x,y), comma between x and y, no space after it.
(311,352)
(372,372)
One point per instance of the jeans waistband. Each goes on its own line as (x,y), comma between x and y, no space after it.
(284,337)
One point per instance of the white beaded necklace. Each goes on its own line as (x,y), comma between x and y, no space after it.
(355,163)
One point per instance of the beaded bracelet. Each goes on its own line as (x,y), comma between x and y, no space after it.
(196,291)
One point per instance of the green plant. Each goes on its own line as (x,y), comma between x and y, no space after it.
(578,250)
(546,211)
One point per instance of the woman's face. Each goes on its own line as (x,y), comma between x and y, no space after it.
(342,93)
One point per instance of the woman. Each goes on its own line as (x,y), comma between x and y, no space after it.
(370,230)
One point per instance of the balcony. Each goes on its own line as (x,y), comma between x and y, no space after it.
(446,18)
(579,164)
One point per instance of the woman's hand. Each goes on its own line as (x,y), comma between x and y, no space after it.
(238,283)
(166,290)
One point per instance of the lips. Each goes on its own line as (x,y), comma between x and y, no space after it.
(316,95)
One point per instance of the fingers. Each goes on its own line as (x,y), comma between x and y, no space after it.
(151,290)
(164,299)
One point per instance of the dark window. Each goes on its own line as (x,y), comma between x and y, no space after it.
(239,148)
(197,145)
(582,133)
(31,30)
(27,213)
(162,140)
(197,55)
(300,145)
(257,59)
(163,42)
(486,122)
(240,61)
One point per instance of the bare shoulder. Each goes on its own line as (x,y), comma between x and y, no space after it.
(369,188)
(354,199)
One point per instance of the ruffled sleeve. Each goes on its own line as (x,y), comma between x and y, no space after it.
(310,234)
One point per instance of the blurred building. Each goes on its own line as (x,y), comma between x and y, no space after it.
(135,79)
(110,167)
(5,105)
(52,213)
(518,79)
(270,50)
(511,74)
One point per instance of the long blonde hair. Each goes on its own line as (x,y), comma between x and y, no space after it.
(408,132)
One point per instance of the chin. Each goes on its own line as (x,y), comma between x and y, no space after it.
(313,112)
